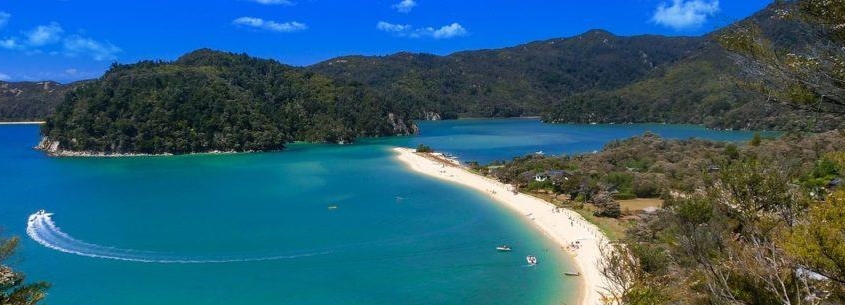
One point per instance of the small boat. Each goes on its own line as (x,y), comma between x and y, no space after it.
(503,248)
(38,215)
(539,153)
(531,259)
(576,273)
(332,207)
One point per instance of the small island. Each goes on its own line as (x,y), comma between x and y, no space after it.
(210,101)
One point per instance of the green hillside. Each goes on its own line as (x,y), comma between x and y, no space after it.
(208,101)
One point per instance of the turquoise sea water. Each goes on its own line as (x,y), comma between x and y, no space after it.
(256,228)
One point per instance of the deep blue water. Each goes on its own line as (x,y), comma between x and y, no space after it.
(396,237)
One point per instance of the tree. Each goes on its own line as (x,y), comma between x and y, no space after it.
(809,75)
(756,140)
(818,242)
(422,148)
(626,281)
(608,207)
(13,290)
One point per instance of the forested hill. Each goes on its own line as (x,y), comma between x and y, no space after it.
(214,101)
(521,80)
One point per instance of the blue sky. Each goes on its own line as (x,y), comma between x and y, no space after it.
(66,40)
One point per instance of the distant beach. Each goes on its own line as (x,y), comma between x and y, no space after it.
(579,238)
(22,123)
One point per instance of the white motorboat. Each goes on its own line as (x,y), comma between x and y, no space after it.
(503,248)
(38,215)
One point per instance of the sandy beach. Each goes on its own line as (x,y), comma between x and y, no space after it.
(21,123)
(563,226)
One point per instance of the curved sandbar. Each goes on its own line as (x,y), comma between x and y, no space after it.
(564,227)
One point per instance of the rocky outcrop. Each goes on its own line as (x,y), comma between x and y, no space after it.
(432,116)
(54,148)
(400,127)
(49,146)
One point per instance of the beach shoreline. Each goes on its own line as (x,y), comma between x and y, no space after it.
(23,123)
(564,227)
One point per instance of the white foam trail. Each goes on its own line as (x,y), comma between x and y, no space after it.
(41,228)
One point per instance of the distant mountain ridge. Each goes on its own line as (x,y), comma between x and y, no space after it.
(31,101)
(701,88)
(515,81)
(595,77)
(592,77)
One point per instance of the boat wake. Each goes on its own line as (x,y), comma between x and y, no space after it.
(41,228)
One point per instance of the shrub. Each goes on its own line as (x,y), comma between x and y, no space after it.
(422,148)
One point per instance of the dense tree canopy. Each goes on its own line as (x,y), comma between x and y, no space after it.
(209,101)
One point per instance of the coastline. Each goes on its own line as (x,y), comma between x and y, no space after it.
(564,227)
(51,148)
(90,154)
(23,123)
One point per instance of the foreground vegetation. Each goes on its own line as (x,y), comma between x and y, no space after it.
(761,231)
(208,101)
(13,289)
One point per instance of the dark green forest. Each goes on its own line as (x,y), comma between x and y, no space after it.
(216,101)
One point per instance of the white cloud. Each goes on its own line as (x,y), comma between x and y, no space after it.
(286,27)
(4,76)
(76,45)
(685,14)
(273,2)
(447,31)
(390,27)
(4,18)
(405,6)
(9,43)
(41,40)
(44,34)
